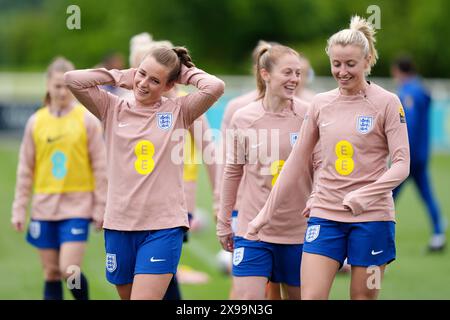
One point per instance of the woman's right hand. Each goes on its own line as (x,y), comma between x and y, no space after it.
(227,242)
(18,225)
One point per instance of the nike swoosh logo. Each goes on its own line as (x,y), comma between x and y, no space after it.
(121,124)
(77,231)
(374,253)
(152,259)
(324,124)
(50,140)
(255,145)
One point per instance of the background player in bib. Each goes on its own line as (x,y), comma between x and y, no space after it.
(146,214)
(263,135)
(358,125)
(417,102)
(62,159)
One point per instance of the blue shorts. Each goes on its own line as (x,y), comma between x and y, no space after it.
(44,234)
(141,252)
(364,244)
(280,263)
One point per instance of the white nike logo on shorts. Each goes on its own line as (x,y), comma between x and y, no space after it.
(152,259)
(374,253)
(123,124)
(76,232)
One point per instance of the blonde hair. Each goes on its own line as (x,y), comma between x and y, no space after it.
(141,44)
(58,64)
(362,34)
(266,56)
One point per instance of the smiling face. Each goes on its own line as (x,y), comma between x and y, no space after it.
(60,95)
(150,81)
(284,77)
(348,66)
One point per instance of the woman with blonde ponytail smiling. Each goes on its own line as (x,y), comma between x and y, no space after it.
(351,214)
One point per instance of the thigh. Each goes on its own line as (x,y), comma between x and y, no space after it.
(150,286)
(317,275)
(160,252)
(43,234)
(120,247)
(366,282)
(70,257)
(249,288)
(286,264)
(371,243)
(251,258)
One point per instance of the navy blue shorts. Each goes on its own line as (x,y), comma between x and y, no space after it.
(141,252)
(280,263)
(364,244)
(51,234)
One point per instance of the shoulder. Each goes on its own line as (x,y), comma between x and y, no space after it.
(382,97)
(245,116)
(325,98)
(301,106)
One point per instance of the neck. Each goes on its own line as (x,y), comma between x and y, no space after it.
(355,90)
(274,104)
(147,103)
(57,110)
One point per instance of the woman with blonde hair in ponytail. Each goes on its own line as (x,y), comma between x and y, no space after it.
(270,123)
(146,216)
(351,212)
(62,159)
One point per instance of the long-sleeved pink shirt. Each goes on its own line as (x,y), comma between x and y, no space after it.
(67,205)
(232,106)
(144,146)
(263,141)
(356,135)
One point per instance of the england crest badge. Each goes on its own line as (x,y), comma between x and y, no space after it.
(164,120)
(238,255)
(35,229)
(111,262)
(364,124)
(312,233)
(294,137)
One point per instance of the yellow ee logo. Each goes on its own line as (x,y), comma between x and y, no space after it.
(144,152)
(275,169)
(344,163)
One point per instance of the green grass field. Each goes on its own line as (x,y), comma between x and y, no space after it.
(414,275)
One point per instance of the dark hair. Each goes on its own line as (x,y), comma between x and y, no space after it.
(267,56)
(58,64)
(405,64)
(172,58)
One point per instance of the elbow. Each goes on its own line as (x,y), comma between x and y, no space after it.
(218,88)
(69,79)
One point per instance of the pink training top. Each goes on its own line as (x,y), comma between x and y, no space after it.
(60,206)
(263,141)
(145,174)
(356,135)
(232,106)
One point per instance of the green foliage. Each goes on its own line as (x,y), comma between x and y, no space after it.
(220,33)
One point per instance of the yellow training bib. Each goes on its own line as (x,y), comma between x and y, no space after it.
(62,158)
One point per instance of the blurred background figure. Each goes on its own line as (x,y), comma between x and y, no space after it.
(111,61)
(416,101)
(307,77)
(62,167)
